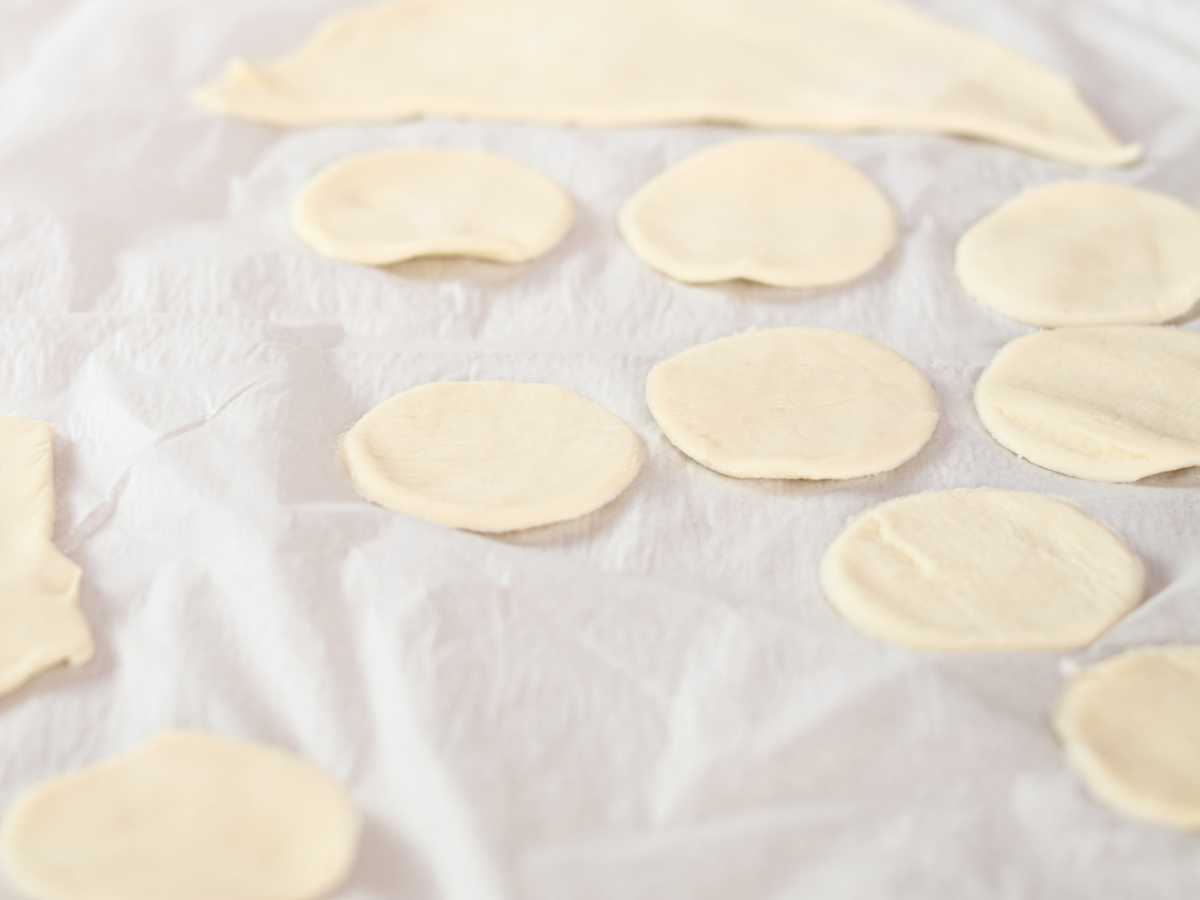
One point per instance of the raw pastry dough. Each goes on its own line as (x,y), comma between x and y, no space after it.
(793,403)
(780,212)
(491,455)
(186,817)
(40,622)
(1085,253)
(1131,727)
(399,204)
(1110,403)
(981,569)
(836,65)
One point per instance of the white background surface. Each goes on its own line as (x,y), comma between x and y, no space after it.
(654,701)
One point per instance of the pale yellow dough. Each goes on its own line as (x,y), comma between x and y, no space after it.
(40,622)
(774,211)
(836,65)
(1131,728)
(981,569)
(491,456)
(1085,253)
(394,205)
(793,403)
(187,816)
(1107,403)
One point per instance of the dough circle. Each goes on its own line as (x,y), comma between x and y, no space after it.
(1085,253)
(980,569)
(774,211)
(491,456)
(1107,403)
(386,207)
(187,816)
(793,403)
(1131,728)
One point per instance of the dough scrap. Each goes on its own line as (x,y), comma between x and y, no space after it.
(774,211)
(381,208)
(981,569)
(834,65)
(40,622)
(1085,253)
(793,403)
(1131,728)
(187,816)
(1106,403)
(491,456)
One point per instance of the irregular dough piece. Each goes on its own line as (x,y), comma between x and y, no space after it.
(836,65)
(399,204)
(40,622)
(981,569)
(1105,403)
(491,455)
(1131,727)
(793,403)
(779,212)
(1085,253)
(188,817)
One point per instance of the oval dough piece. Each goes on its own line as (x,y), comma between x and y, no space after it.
(837,65)
(980,569)
(793,403)
(1105,403)
(774,211)
(1131,728)
(1085,253)
(386,207)
(186,816)
(491,456)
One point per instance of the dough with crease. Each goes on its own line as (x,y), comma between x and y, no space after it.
(491,456)
(1085,253)
(385,207)
(187,816)
(40,622)
(793,403)
(834,65)
(980,569)
(774,211)
(1108,403)
(1131,728)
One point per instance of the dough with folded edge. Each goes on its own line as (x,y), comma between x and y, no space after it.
(385,207)
(835,65)
(774,211)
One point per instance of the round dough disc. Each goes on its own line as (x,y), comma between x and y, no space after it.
(1113,403)
(382,208)
(187,817)
(491,455)
(980,569)
(1131,728)
(775,211)
(793,403)
(1085,253)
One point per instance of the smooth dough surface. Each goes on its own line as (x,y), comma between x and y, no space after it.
(980,569)
(187,816)
(774,211)
(1085,253)
(793,403)
(1107,403)
(491,456)
(40,622)
(836,65)
(385,207)
(1131,728)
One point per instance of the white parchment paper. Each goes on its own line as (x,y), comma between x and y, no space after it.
(651,702)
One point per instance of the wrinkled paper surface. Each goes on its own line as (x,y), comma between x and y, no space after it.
(651,702)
